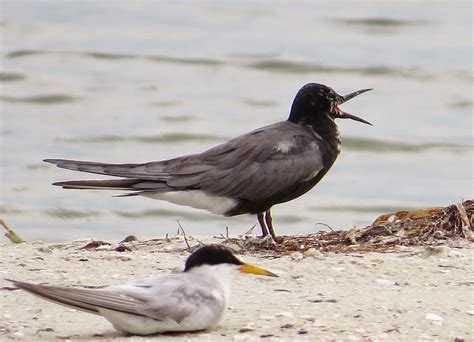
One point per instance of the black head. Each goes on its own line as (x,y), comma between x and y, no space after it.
(211,255)
(316,103)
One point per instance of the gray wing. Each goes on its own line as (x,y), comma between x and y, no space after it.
(251,165)
(246,167)
(166,297)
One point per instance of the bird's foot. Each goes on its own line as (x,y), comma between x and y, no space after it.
(278,239)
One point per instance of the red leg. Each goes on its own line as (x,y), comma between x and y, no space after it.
(268,219)
(262,224)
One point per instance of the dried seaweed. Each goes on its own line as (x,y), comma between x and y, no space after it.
(388,233)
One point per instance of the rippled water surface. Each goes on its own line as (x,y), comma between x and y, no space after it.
(128,81)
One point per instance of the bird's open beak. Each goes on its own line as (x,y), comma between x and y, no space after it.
(249,268)
(344,115)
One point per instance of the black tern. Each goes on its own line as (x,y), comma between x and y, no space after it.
(193,300)
(246,175)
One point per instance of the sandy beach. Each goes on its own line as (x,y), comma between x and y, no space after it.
(418,293)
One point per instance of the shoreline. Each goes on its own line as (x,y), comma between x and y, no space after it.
(417,293)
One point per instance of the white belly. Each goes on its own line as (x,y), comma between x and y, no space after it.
(196,199)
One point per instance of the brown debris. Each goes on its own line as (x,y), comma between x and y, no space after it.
(94,244)
(388,233)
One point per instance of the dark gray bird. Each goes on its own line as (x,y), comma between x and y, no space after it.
(246,175)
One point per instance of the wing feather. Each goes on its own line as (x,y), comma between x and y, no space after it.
(167,297)
(247,167)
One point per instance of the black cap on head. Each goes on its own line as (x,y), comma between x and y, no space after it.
(211,255)
(314,101)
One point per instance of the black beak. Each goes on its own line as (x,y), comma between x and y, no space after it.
(345,115)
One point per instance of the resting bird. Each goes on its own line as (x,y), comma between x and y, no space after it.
(193,300)
(246,175)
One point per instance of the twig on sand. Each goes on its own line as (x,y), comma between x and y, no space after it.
(10,234)
(250,231)
(324,224)
(184,235)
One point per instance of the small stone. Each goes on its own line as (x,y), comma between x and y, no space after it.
(297,256)
(302,332)
(385,282)
(440,251)
(287,314)
(18,334)
(338,269)
(246,329)
(314,253)
(129,238)
(122,248)
(455,254)
(308,318)
(287,326)
(434,318)
(241,337)
(469,312)
(267,318)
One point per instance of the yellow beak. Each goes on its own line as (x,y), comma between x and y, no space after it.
(249,268)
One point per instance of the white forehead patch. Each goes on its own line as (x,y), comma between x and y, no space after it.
(284,147)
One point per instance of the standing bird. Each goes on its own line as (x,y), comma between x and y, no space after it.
(193,300)
(246,175)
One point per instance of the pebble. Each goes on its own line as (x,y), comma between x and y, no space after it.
(470,312)
(434,318)
(385,282)
(297,255)
(440,251)
(241,337)
(18,334)
(338,269)
(308,318)
(314,253)
(287,314)
(267,317)
(45,250)
(456,254)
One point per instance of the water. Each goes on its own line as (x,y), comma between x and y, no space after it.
(128,81)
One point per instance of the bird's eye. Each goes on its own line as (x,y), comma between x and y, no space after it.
(331,97)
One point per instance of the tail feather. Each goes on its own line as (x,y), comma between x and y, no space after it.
(136,186)
(149,171)
(56,295)
(103,184)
